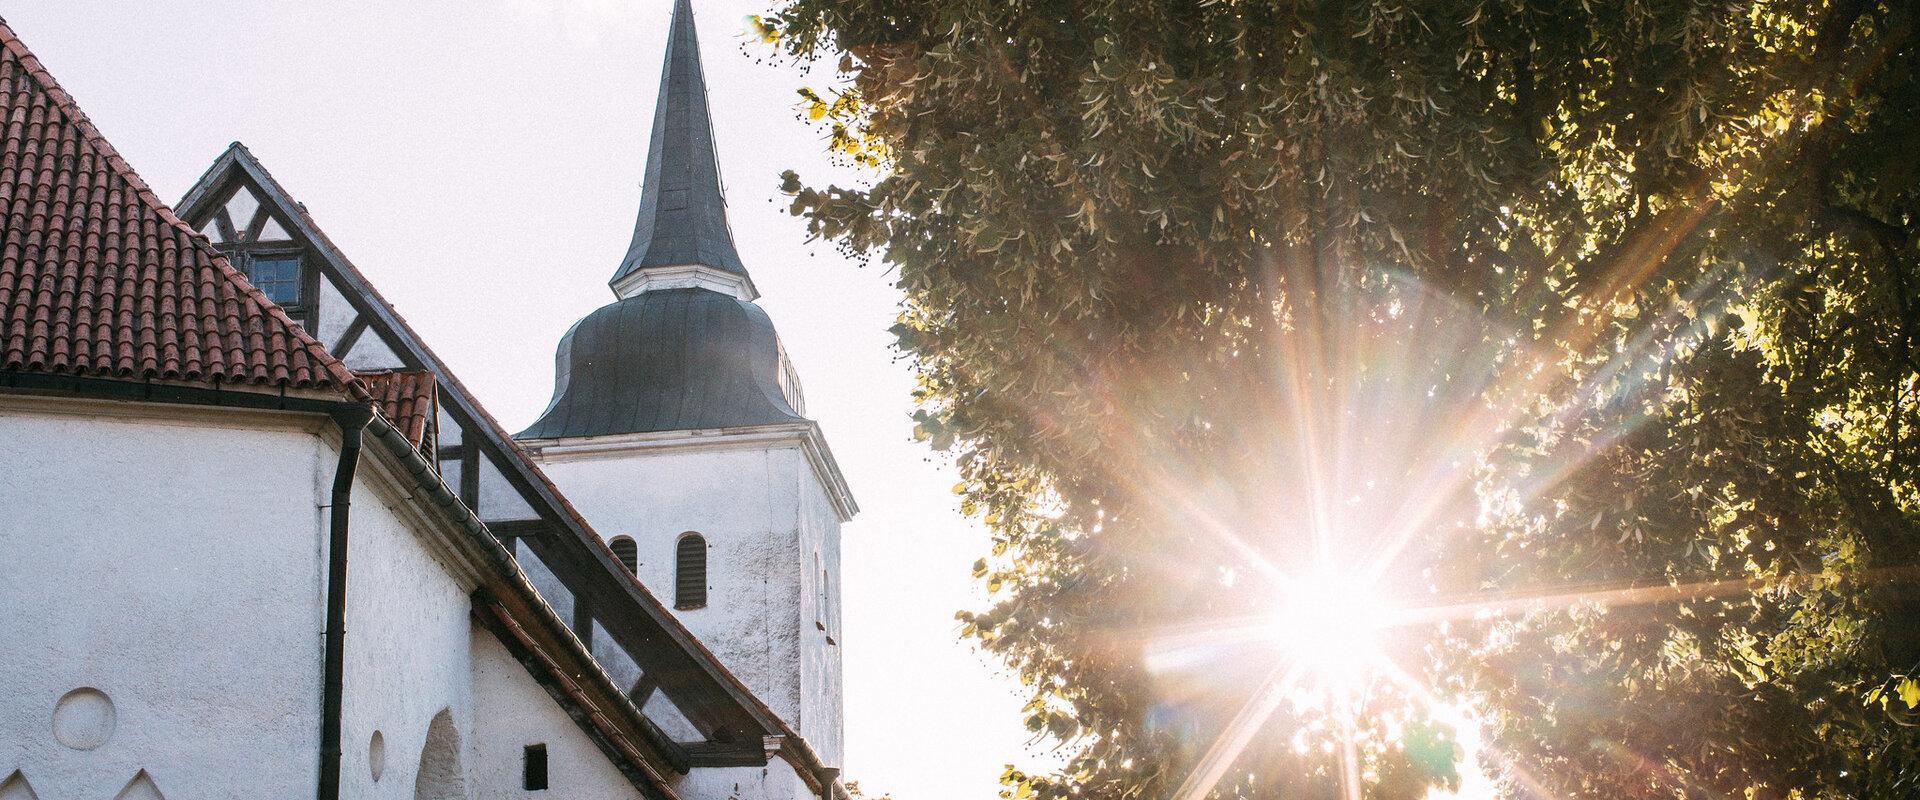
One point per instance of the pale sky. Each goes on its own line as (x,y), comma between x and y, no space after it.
(480,161)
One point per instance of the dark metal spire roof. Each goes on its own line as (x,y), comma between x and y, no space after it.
(667,360)
(683,214)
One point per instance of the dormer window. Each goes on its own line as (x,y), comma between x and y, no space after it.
(259,246)
(277,274)
(281,273)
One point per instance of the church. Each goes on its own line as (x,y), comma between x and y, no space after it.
(257,541)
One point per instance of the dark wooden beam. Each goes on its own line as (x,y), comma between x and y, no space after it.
(522,528)
(726,754)
(672,668)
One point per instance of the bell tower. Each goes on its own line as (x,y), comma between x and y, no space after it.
(678,428)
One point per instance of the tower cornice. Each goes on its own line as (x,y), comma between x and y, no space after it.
(686,276)
(805,435)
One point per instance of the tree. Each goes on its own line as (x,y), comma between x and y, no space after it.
(1599,319)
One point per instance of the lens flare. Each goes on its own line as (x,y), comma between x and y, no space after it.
(1371,448)
(1330,623)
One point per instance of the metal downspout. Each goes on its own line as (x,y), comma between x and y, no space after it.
(352,423)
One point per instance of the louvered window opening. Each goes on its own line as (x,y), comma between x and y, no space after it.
(627,553)
(690,572)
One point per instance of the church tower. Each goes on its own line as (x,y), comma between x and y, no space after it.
(677,427)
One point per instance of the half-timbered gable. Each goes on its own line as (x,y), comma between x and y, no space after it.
(694,704)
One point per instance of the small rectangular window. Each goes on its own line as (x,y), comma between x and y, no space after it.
(533,774)
(278,276)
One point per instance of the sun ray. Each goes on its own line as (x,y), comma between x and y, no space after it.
(1514,603)
(1233,739)
(1463,720)
(1375,446)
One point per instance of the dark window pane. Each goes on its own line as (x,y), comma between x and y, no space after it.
(278,277)
(533,771)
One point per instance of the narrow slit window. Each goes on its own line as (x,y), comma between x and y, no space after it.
(690,572)
(533,771)
(626,552)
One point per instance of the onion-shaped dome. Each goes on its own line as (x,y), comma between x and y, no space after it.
(669,360)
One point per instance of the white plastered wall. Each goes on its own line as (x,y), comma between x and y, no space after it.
(169,559)
(173,559)
(514,711)
(770,531)
(408,651)
(333,314)
(413,651)
(821,711)
(775,781)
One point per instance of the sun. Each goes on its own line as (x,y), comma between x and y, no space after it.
(1330,623)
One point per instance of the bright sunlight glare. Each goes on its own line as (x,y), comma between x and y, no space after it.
(1329,623)
(1372,448)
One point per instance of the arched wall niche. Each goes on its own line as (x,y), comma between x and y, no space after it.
(440,776)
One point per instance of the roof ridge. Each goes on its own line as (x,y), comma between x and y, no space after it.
(64,102)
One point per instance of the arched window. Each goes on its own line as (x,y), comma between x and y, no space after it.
(690,572)
(626,552)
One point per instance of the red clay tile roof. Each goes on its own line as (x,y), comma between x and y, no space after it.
(407,398)
(99,278)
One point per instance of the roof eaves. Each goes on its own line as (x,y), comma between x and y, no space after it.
(406,397)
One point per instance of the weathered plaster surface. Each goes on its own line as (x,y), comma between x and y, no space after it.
(770,530)
(513,711)
(408,642)
(498,499)
(172,562)
(173,559)
(414,654)
(775,781)
(332,313)
(371,352)
(821,696)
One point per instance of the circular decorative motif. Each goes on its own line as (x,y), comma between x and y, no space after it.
(83,719)
(377,755)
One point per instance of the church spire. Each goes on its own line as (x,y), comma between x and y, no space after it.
(682,226)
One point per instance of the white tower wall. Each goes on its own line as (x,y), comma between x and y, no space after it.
(764,502)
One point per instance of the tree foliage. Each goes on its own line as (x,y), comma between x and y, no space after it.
(1615,306)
